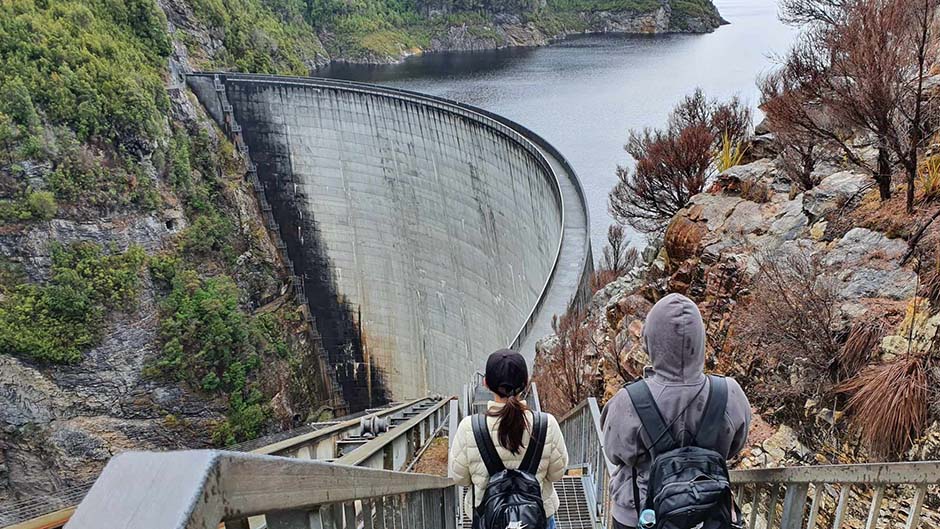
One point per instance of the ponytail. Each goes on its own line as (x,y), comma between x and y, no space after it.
(512,423)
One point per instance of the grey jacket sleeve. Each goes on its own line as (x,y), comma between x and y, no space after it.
(620,426)
(739,417)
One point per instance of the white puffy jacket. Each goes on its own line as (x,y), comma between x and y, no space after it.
(466,464)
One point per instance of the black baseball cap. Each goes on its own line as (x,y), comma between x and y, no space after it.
(506,374)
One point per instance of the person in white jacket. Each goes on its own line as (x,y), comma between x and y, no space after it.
(509,421)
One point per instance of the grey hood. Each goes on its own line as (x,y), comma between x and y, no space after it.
(675,340)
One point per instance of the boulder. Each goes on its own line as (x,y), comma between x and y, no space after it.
(684,235)
(862,243)
(833,192)
(867,265)
(780,448)
(762,171)
(787,223)
(762,146)
(916,333)
(762,128)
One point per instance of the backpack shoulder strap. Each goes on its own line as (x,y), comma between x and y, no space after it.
(481,433)
(713,420)
(651,417)
(533,453)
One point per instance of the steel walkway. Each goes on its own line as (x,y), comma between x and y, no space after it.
(201,489)
(410,427)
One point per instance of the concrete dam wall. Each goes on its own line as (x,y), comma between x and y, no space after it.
(425,233)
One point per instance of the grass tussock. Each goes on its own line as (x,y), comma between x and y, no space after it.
(929,178)
(857,351)
(730,154)
(889,404)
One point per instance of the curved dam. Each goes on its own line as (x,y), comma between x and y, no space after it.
(425,233)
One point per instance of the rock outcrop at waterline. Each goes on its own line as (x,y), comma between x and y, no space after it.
(516,31)
(430,27)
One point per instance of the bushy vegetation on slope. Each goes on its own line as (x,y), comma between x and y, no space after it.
(211,344)
(56,322)
(84,135)
(81,88)
(262,36)
(94,65)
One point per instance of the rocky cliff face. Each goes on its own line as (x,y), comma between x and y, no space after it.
(514,30)
(436,26)
(60,423)
(747,248)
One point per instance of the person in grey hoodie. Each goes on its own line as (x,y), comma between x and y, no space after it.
(674,336)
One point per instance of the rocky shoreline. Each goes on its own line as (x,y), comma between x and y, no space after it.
(515,31)
(204,46)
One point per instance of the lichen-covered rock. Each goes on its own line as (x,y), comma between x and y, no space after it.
(867,265)
(833,192)
(763,172)
(915,333)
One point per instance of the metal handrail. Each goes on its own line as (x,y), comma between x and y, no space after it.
(787,489)
(292,443)
(66,502)
(202,488)
(365,452)
(581,428)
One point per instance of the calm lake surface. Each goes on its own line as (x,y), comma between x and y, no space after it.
(584,93)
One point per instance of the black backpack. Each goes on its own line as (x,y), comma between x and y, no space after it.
(688,485)
(513,498)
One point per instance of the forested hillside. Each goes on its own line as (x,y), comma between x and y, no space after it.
(292,35)
(142,304)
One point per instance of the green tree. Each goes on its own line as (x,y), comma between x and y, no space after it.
(8,135)
(15,101)
(42,205)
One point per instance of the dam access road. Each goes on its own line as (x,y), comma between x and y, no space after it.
(426,232)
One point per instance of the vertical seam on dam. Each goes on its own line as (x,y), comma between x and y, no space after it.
(447,230)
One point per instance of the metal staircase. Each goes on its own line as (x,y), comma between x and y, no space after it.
(407,428)
(573,511)
(363,489)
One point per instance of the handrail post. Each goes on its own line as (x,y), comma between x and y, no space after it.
(294,520)
(793,504)
(452,423)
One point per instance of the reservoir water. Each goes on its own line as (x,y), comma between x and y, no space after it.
(583,94)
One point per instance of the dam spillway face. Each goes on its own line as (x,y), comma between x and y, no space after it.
(424,233)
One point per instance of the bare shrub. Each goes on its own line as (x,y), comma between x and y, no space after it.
(671,168)
(618,256)
(861,68)
(601,278)
(813,12)
(864,339)
(785,334)
(675,163)
(564,373)
(889,404)
(617,259)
